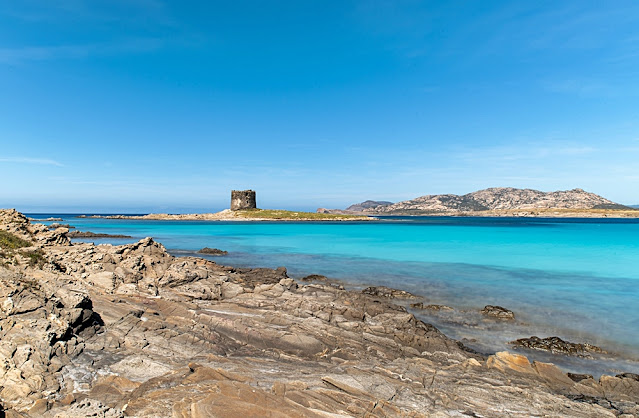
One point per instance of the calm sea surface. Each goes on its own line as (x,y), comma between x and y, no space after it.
(575,278)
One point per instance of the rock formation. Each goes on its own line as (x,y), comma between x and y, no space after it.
(212,251)
(557,345)
(129,330)
(498,312)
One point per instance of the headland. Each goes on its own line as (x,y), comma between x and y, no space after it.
(498,202)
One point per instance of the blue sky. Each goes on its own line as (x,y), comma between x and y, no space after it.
(152,105)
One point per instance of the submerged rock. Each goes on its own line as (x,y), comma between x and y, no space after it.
(318,278)
(212,251)
(557,345)
(498,312)
(315,278)
(420,305)
(387,292)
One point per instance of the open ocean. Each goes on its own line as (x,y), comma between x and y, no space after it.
(574,278)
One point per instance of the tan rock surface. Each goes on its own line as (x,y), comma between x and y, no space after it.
(132,331)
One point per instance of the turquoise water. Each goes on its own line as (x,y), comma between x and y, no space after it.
(578,279)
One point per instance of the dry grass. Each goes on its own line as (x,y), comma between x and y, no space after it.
(291,215)
(36,258)
(8,241)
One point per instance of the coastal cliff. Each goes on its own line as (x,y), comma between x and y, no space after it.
(130,330)
(496,201)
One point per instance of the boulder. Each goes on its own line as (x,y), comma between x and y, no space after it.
(498,312)
(388,293)
(420,305)
(504,360)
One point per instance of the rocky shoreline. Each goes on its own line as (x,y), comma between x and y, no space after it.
(129,330)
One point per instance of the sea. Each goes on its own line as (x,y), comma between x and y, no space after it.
(577,279)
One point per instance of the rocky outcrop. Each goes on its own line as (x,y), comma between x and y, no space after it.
(388,293)
(557,345)
(369,204)
(492,199)
(421,305)
(498,312)
(43,324)
(212,251)
(101,330)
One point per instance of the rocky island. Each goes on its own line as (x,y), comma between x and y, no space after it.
(243,208)
(497,201)
(129,330)
(242,215)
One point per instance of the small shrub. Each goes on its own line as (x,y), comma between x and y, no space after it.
(36,258)
(8,241)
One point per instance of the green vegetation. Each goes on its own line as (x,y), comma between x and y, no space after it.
(291,215)
(8,241)
(36,258)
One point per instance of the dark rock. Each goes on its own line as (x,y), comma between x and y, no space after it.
(420,305)
(252,277)
(212,251)
(629,376)
(314,278)
(498,312)
(318,278)
(557,345)
(387,292)
(578,377)
(58,225)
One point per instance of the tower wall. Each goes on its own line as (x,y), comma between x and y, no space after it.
(243,199)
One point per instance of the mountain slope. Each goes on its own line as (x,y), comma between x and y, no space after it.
(492,199)
(369,204)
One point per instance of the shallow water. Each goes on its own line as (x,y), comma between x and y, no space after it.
(574,278)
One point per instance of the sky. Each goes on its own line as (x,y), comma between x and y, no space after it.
(143,106)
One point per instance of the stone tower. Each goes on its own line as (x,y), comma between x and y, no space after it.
(242,199)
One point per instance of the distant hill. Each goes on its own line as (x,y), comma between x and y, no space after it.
(369,204)
(492,199)
(634,206)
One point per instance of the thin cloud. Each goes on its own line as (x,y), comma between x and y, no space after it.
(20,55)
(137,11)
(26,160)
